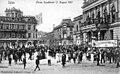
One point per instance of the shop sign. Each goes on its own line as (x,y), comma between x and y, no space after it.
(105,43)
(88,27)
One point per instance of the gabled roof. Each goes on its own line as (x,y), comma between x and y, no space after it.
(65,21)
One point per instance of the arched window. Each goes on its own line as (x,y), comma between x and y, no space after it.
(113,11)
(77,28)
(88,20)
(98,16)
(105,15)
(93,18)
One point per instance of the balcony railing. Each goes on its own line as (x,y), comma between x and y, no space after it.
(15,30)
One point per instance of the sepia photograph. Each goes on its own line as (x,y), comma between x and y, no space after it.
(59,36)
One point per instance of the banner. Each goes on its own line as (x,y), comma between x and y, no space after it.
(105,43)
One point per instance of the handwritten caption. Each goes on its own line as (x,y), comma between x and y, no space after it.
(15,72)
(48,2)
(11,2)
(54,2)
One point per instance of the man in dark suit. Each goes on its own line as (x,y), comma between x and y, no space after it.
(37,64)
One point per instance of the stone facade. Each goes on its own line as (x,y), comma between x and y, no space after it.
(101,19)
(16,27)
(63,33)
(77,35)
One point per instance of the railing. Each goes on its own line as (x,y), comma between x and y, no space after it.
(19,30)
(13,39)
(88,26)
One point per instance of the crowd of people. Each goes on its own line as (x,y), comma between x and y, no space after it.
(62,54)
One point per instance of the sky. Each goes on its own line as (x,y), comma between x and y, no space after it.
(52,13)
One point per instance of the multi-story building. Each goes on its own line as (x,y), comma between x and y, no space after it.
(46,39)
(31,34)
(77,34)
(50,39)
(16,27)
(101,19)
(63,33)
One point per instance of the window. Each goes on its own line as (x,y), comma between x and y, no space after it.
(7,14)
(76,37)
(88,20)
(12,26)
(111,31)
(29,35)
(7,26)
(1,26)
(29,27)
(98,16)
(18,26)
(12,14)
(77,28)
(36,35)
(71,33)
(113,12)
(23,27)
(23,36)
(15,14)
(33,35)
(29,20)
(105,15)
(93,18)
(19,15)
(34,27)
(2,35)
(79,22)
(13,35)
(70,29)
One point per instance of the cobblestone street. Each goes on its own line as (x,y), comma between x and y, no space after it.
(86,67)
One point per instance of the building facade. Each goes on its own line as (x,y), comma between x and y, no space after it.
(14,27)
(63,33)
(77,33)
(46,39)
(101,20)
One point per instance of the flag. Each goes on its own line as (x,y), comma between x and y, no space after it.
(39,18)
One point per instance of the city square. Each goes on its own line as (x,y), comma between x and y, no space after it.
(86,67)
(60,37)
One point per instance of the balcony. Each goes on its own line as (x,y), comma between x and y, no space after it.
(13,39)
(13,30)
(76,32)
(88,27)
